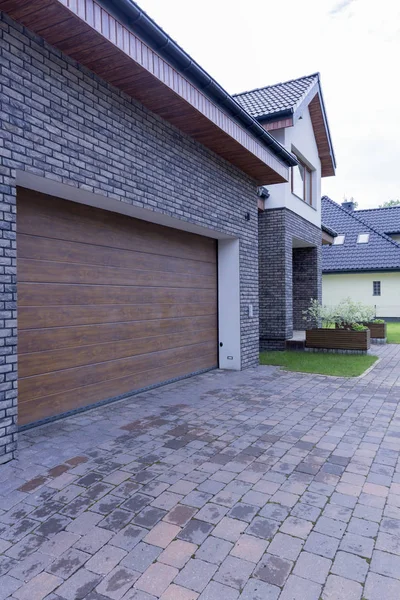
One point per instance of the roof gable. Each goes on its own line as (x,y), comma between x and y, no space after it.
(380,253)
(280,105)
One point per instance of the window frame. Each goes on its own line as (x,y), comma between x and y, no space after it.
(359,241)
(379,284)
(340,235)
(308,173)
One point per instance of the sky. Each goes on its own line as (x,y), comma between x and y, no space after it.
(354,44)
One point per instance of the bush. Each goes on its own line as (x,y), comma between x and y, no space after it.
(345,315)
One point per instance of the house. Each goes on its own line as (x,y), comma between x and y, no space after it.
(289,219)
(129,183)
(364,260)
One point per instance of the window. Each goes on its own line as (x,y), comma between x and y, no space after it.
(302,182)
(338,240)
(363,238)
(376,288)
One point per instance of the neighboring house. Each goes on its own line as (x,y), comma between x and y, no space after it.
(364,260)
(134,176)
(290,217)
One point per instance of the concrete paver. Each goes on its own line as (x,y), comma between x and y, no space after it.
(256,485)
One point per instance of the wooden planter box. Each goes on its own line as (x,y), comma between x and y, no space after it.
(338,339)
(378,330)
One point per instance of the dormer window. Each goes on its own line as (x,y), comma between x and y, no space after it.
(363,238)
(302,181)
(338,240)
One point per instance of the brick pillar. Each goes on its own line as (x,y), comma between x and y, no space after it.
(306,281)
(8,313)
(275,280)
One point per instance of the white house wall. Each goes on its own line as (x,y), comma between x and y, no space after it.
(301,138)
(359,287)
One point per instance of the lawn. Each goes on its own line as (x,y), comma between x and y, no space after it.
(393,333)
(339,365)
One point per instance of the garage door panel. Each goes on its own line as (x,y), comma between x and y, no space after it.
(107,305)
(46,216)
(33,294)
(69,379)
(54,272)
(43,362)
(37,340)
(39,248)
(37,409)
(35,317)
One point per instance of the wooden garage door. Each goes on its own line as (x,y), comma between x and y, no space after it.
(107,304)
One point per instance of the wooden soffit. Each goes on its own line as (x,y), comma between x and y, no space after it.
(86,32)
(321,137)
(327,239)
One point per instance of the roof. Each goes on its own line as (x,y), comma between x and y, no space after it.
(328,230)
(379,254)
(384,219)
(278,98)
(286,101)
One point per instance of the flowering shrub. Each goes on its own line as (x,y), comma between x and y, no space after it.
(345,315)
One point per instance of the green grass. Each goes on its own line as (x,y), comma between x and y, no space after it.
(393,333)
(339,365)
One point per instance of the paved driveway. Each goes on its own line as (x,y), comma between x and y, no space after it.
(257,485)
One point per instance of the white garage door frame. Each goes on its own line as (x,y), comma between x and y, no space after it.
(228,255)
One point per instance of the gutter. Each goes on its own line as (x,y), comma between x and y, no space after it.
(135,18)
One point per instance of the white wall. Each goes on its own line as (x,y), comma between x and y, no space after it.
(358,286)
(300,138)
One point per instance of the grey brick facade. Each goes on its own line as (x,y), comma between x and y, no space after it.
(288,277)
(60,121)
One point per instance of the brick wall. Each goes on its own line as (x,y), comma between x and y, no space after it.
(60,121)
(277,228)
(307,281)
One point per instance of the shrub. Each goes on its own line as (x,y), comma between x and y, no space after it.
(345,315)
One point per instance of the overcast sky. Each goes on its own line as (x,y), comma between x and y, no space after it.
(354,44)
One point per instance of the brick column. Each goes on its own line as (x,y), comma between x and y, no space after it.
(306,281)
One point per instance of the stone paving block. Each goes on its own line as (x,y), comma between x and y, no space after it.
(385,564)
(104,561)
(116,520)
(297,588)
(259,590)
(180,515)
(195,531)
(162,534)
(386,542)
(357,544)
(176,592)
(363,527)
(214,550)
(296,527)
(195,575)
(256,498)
(31,566)
(215,590)
(284,498)
(263,528)
(343,500)
(338,513)
(378,587)
(350,566)
(273,570)
(285,546)
(117,583)
(94,540)
(225,498)
(243,512)
(149,516)
(68,563)
(9,586)
(156,579)
(177,553)
(274,511)
(312,567)
(196,499)
(128,537)
(323,545)
(141,557)
(249,548)
(84,523)
(38,588)
(234,572)
(185,487)
(229,529)
(338,588)
(58,544)
(167,500)
(305,511)
(330,527)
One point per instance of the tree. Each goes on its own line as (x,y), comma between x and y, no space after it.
(390,203)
